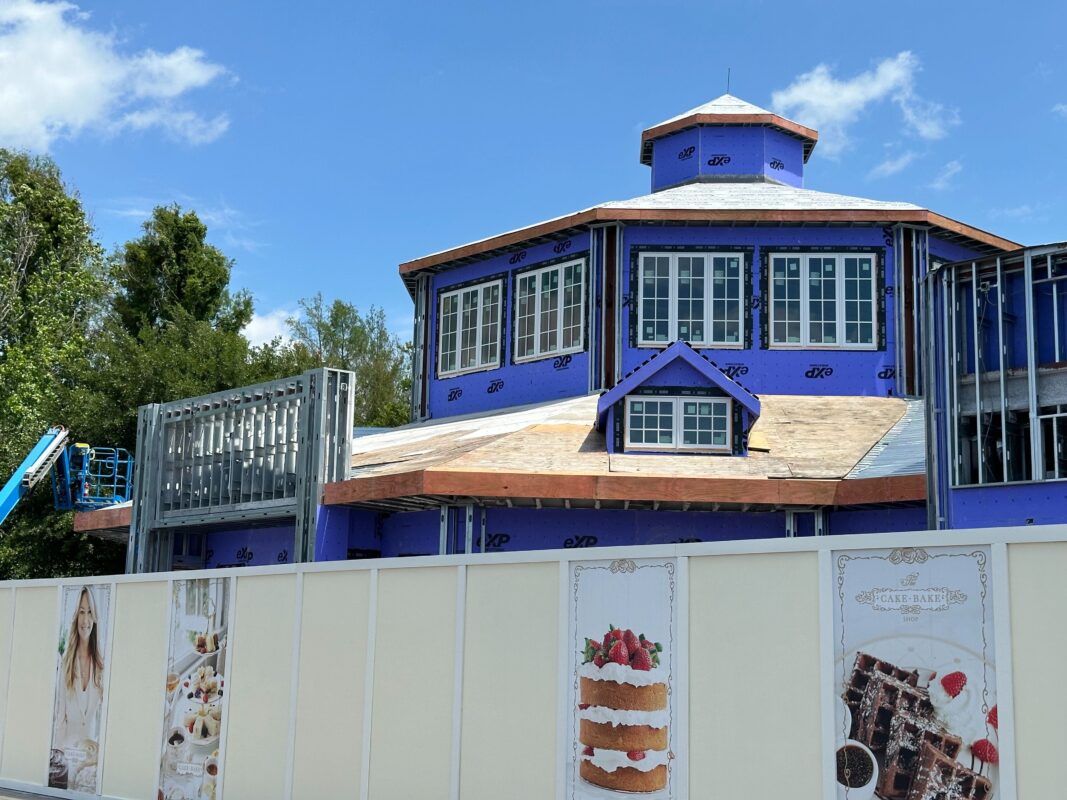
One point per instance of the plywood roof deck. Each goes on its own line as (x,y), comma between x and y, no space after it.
(552,451)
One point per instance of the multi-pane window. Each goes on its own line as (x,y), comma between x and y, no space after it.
(822,300)
(469,329)
(678,423)
(549,311)
(691,296)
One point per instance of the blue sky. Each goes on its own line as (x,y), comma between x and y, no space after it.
(325,143)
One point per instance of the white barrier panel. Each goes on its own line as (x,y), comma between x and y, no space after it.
(481,676)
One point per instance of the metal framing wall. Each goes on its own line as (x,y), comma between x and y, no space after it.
(996,374)
(251,454)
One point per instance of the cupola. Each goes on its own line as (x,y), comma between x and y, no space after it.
(727,140)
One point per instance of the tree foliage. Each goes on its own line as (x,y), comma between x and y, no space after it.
(85,340)
(337,335)
(52,281)
(173,329)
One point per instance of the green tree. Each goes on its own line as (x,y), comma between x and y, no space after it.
(52,282)
(174,329)
(337,335)
(172,274)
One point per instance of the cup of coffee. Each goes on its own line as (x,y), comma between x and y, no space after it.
(857,771)
(176,747)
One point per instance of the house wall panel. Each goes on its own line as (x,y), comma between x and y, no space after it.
(776,371)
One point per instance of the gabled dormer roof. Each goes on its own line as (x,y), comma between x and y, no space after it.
(727,110)
(658,361)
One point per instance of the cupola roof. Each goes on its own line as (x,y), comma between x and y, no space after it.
(727,110)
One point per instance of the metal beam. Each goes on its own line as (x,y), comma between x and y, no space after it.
(1031,368)
(977,372)
(1003,388)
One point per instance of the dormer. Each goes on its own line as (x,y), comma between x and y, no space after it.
(727,140)
(678,401)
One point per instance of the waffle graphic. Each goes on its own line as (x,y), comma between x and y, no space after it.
(894,717)
(941,776)
(875,692)
(909,736)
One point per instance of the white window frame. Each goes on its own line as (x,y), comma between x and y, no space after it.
(536,274)
(677,427)
(805,342)
(457,292)
(673,299)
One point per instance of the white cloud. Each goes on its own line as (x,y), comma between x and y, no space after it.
(1028,212)
(228,227)
(891,166)
(945,176)
(266,327)
(831,105)
(58,78)
(183,126)
(1061,109)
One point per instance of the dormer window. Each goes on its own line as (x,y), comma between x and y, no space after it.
(695,424)
(469,329)
(691,296)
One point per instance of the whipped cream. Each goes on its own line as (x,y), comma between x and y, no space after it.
(617,716)
(962,714)
(611,760)
(619,673)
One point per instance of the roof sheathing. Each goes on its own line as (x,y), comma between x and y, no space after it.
(802,449)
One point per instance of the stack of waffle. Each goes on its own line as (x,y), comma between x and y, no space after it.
(894,717)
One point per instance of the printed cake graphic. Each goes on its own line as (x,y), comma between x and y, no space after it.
(917,728)
(622,713)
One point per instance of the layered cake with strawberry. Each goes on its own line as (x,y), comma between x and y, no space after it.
(623,719)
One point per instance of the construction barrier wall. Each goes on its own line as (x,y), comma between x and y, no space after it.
(452,677)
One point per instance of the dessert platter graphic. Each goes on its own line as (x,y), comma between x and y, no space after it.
(916,716)
(196,691)
(622,691)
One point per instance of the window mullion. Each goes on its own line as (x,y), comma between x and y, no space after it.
(805,299)
(672,299)
(676,434)
(537,313)
(709,298)
(840,303)
(560,304)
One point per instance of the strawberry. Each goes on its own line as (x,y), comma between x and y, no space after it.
(648,644)
(583,706)
(630,640)
(635,755)
(616,634)
(609,640)
(588,751)
(991,718)
(642,660)
(598,660)
(619,654)
(953,683)
(985,750)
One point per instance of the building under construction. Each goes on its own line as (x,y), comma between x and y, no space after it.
(733,355)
